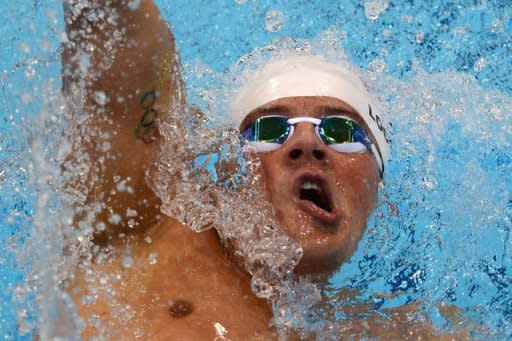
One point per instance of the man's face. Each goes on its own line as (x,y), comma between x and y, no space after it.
(322,198)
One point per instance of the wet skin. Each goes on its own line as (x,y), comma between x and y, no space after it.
(349,182)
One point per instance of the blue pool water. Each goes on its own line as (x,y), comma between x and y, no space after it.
(441,234)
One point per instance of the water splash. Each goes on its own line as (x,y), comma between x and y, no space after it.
(373,8)
(450,193)
(205,181)
(274,21)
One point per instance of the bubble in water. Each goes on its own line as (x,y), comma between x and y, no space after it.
(105,146)
(373,8)
(274,21)
(378,65)
(408,19)
(24,326)
(240,2)
(114,218)
(480,64)
(26,98)
(63,37)
(497,26)
(101,226)
(25,47)
(459,31)
(152,258)
(134,4)
(30,72)
(131,213)
(100,97)
(127,261)
(121,186)
(420,37)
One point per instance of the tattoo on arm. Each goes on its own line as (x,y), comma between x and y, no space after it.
(147,130)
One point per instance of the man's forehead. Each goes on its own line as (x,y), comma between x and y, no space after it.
(313,106)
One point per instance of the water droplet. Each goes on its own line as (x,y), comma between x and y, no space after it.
(127,261)
(420,37)
(30,72)
(378,65)
(24,326)
(103,279)
(407,18)
(26,98)
(496,26)
(100,97)
(480,64)
(220,330)
(459,31)
(121,186)
(105,146)
(25,47)
(274,21)
(131,213)
(64,37)
(134,4)
(373,8)
(152,258)
(115,219)
(101,226)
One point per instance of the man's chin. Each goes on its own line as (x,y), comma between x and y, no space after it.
(317,262)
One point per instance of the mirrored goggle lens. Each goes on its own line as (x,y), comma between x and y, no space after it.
(268,129)
(336,130)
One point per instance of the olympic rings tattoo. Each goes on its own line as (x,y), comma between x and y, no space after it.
(147,130)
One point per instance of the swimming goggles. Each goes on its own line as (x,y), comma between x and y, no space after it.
(344,135)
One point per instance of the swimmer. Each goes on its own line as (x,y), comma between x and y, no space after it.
(322,151)
(322,148)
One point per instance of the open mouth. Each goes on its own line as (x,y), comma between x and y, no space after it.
(311,190)
(314,197)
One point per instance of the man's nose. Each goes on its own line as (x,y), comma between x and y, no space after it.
(304,145)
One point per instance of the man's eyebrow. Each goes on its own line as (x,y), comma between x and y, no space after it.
(272,109)
(330,109)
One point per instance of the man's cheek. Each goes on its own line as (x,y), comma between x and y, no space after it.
(267,180)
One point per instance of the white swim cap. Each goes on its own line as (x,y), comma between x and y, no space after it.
(311,76)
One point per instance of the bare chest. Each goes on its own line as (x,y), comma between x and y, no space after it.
(171,296)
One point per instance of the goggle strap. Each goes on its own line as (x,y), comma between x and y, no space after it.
(378,158)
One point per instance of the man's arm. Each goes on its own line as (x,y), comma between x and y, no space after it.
(121,74)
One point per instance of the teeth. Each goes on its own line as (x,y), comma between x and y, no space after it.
(310,185)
